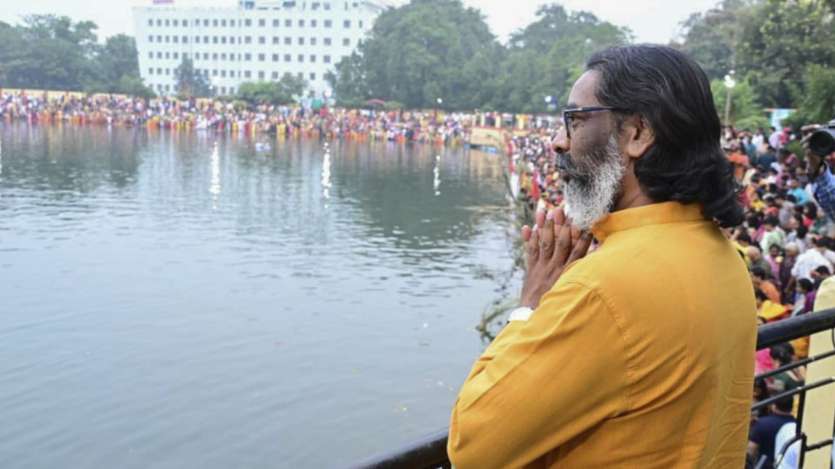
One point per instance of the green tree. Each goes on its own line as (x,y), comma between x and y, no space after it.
(285,91)
(817,102)
(190,82)
(744,108)
(546,57)
(419,52)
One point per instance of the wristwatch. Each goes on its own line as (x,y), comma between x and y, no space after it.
(522,313)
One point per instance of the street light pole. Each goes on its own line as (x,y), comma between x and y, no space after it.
(730,82)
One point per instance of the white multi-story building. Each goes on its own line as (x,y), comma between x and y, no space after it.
(259,40)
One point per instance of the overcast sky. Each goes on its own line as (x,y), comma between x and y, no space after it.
(650,20)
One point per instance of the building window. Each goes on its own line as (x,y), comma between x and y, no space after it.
(262,22)
(247,74)
(346,42)
(312,76)
(300,58)
(151,23)
(167,39)
(261,75)
(262,57)
(313,41)
(197,39)
(159,55)
(347,24)
(360,24)
(247,23)
(275,75)
(205,23)
(313,23)
(327,6)
(167,23)
(159,38)
(223,39)
(214,56)
(214,39)
(247,57)
(185,39)
(276,23)
(205,56)
(214,73)
(176,39)
(300,75)
(150,55)
(312,58)
(326,59)
(222,56)
(276,40)
(206,39)
(223,23)
(159,22)
(301,41)
(176,23)
(248,40)
(288,23)
(223,74)
(150,38)
(288,41)
(214,23)
(288,58)
(176,56)
(275,57)
(167,55)
(301,23)
(327,41)
(328,23)
(232,23)
(185,55)
(185,23)
(262,40)
(168,71)
(151,71)
(159,71)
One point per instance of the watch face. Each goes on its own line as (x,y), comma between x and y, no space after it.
(522,313)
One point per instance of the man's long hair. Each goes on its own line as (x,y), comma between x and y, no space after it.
(672,93)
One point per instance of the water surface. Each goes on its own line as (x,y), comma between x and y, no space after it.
(184,300)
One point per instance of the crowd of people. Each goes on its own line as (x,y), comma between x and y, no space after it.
(208,115)
(787,241)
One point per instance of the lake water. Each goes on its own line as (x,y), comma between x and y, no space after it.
(186,300)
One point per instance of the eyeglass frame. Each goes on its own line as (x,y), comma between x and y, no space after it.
(566,114)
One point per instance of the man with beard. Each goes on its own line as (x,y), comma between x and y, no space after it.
(641,353)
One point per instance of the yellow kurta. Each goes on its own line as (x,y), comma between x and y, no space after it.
(641,355)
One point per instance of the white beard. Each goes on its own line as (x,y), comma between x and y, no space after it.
(586,204)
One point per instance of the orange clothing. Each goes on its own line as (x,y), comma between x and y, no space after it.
(641,355)
(770,291)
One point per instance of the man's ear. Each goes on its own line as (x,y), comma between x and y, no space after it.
(639,136)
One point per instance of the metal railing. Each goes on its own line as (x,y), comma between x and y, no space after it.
(430,451)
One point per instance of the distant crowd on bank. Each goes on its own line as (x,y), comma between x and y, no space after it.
(206,115)
(787,241)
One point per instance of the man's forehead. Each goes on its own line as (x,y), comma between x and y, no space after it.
(583,92)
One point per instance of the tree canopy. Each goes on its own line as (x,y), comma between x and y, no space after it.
(285,91)
(783,50)
(53,52)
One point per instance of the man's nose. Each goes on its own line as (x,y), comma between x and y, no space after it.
(561,142)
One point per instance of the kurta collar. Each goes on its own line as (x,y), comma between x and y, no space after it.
(653,214)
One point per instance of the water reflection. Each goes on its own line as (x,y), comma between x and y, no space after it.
(436,183)
(247,323)
(214,186)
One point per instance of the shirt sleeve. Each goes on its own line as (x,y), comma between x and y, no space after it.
(541,383)
(824,191)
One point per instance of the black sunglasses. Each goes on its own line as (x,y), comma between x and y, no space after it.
(567,113)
